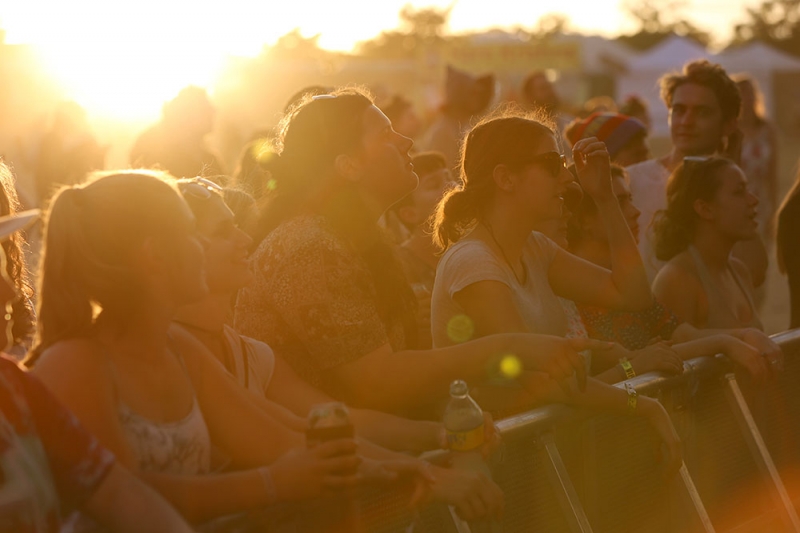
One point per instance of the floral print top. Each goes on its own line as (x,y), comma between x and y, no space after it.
(313,300)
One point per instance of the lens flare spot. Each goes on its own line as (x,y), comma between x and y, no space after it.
(460,328)
(510,366)
(272,184)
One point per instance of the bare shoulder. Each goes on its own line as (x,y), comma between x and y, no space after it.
(190,348)
(73,358)
(680,271)
(78,373)
(679,288)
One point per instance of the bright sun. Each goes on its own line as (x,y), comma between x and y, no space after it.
(141,54)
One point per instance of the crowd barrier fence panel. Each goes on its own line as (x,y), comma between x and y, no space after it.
(566,470)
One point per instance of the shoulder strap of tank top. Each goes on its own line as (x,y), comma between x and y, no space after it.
(715,300)
(747,295)
(234,341)
(702,269)
(715,297)
(174,350)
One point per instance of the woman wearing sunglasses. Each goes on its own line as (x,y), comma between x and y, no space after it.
(499,276)
(330,297)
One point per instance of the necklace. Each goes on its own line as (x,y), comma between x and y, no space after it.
(505,257)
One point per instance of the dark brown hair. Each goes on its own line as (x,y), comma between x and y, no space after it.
(711,75)
(311,137)
(674,226)
(507,137)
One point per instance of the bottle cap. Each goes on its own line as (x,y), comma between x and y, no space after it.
(459,388)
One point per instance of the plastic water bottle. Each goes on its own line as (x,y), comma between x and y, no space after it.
(463,422)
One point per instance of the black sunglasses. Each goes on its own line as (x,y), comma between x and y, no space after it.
(553,162)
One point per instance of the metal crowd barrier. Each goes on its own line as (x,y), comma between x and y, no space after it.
(566,470)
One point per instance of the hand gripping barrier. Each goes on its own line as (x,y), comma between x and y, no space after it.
(567,470)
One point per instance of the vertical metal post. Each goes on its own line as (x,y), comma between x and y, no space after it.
(686,486)
(761,455)
(564,489)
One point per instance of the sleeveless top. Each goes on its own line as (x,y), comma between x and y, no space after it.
(179,447)
(720,314)
(253,361)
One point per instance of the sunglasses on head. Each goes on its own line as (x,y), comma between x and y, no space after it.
(201,188)
(553,162)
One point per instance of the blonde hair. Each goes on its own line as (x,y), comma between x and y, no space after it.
(92,233)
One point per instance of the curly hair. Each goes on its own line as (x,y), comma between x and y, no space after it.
(22,310)
(711,75)
(693,180)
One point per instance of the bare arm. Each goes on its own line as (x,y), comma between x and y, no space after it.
(626,285)
(124,504)
(195,497)
(420,377)
(681,293)
(384,429)
(252,438)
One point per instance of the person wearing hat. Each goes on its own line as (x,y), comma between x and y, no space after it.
(49,464)
(625,137)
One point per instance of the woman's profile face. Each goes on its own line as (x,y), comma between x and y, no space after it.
(733,208)
(227,248)
(187,275)
(540,187)
(384,164)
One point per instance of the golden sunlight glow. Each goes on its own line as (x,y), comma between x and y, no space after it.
(510,366)
(122,59)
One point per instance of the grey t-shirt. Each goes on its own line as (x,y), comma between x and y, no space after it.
(472,260)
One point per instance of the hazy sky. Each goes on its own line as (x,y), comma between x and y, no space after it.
(124,56)
(242,26)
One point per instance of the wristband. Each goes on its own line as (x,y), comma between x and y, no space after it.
(269,485)
(627,367)
(633,398)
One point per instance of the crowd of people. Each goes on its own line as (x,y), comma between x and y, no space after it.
(185,323)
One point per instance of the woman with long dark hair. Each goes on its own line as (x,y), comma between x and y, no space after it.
(709,209)
(330,297)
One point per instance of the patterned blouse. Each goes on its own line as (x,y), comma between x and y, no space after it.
(49,464)
(313,300)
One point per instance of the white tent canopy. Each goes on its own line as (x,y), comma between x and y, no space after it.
(644,70)
(757,59)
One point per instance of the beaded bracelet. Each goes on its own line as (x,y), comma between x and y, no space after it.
(269,485)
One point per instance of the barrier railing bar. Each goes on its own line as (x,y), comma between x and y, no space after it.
(697,502)
(564,489)
(760,453)
(646,383)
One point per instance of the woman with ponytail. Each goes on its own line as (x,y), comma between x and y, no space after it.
(505,278)
(122,255)
(330,297)
(709,209)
